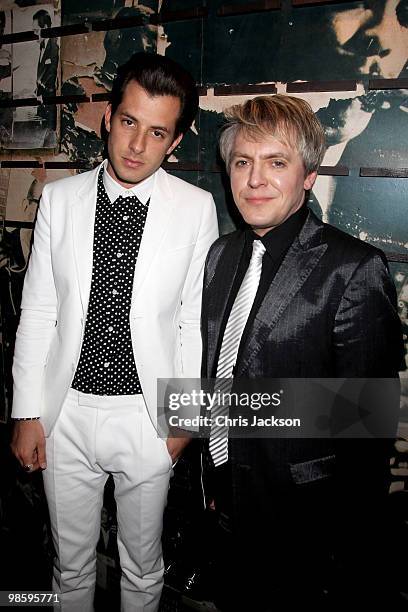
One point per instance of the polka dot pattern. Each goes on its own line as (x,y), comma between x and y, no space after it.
(106,364)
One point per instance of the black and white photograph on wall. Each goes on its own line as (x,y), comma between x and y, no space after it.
(88,68)
(24,191)
(35,75)
(77,11)
(104,51)
(81,124)
(6,114)
(119,44)
(358,40)
(19,197)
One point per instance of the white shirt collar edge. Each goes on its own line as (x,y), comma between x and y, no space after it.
(142,190)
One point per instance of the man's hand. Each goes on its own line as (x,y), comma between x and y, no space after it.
(175,446)
(28,444)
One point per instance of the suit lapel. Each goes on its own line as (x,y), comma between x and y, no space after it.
(156,227)
(219,290)
(301,259)
(83,222)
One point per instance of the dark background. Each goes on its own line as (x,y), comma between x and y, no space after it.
(348,59)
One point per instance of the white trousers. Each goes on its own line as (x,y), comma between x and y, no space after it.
(94,436)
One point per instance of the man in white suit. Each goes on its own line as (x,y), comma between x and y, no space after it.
(111,302)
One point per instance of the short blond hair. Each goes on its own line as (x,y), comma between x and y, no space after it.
(288,119)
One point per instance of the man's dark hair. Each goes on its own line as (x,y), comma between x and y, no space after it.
(43,18)
(159,76)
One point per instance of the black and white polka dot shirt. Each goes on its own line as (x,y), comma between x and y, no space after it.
(106,364)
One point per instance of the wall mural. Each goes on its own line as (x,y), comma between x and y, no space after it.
(88,67)
(35,67)
(6,115)
(348,60)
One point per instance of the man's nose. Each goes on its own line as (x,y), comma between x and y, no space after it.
(138,142)
(257,176)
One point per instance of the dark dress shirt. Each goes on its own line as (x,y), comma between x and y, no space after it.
(277,242)
(107,364)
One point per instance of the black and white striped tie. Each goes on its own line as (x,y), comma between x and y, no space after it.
(229,350)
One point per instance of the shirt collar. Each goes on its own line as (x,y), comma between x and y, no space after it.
(278,240)
(142,190)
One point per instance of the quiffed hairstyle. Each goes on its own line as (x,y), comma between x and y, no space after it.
(159,76)
(286,118)
(43,18)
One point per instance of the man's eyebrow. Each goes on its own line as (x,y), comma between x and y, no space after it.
(159,127)
(273,155)
(152,127)
(280,154)
(238,154)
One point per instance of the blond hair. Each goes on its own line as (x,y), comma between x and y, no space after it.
(286,118)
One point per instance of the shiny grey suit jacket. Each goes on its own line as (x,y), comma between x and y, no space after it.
(330,311)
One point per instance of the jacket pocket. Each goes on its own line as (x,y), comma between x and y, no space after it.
(313,470)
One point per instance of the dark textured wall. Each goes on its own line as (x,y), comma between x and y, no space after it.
(349,60)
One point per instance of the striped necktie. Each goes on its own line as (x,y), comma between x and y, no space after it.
(229,350)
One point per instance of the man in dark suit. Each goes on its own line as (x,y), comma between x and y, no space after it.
(301,521)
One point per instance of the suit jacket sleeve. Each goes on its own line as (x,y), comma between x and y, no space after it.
(367,332)
(189,324)
(367,344)
(37,322)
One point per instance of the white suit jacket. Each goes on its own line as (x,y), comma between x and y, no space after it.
(166,300)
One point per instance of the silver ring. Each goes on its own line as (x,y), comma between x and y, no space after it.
(28,467)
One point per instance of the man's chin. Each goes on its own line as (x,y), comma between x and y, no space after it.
(128,178)
(260,229)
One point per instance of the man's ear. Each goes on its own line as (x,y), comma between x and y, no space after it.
(309,181)
(174,144)
(108,115)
